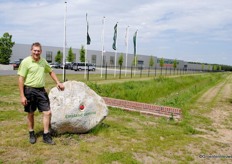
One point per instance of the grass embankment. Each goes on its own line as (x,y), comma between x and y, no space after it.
(125,137)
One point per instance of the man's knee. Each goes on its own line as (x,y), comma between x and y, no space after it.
(31,114)
(47,113)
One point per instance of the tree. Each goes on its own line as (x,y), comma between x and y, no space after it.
(120,61)
(6,45)
(202,67)
(151,62)
(70,55)
(174,65)
(209,67)
(220,68)
(59,57)
(215,67)
(82,54)
(161,64)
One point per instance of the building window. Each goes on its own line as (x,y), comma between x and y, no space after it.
(111,60)
(49,56)
(94,59)
(140,64)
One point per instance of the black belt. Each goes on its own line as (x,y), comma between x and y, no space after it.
(40,88)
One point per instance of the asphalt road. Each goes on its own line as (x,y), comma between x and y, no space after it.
(58,71)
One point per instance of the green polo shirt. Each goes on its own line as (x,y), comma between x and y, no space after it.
(34,72)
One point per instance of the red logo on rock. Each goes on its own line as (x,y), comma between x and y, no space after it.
(81,107)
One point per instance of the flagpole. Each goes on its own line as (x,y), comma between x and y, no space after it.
(127,34)
(115,62)
(86,46)
(88,40)
(103,28)
(135,64)
(85,59)
(64,48)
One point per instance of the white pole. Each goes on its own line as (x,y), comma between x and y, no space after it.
(127,34)
(64,55)
(86,46)
(85,60)
(103,28)
(115,62)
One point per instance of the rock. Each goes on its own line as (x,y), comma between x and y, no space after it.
(77,109)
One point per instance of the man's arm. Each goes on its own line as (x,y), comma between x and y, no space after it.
(23,99)
(54,77)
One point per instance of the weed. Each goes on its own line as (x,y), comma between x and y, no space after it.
(189,130)
(171,118)
(124,157)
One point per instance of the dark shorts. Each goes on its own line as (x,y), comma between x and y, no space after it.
(36,98)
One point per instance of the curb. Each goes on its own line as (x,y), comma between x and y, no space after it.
(143,108)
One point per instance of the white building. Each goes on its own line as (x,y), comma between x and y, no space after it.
(21,51)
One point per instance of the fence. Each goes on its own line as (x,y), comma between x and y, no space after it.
(139,72)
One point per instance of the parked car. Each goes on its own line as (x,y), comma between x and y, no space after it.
(15,64)
(81,66)
(91,66)
(67,65)
(54,65)
(72,64)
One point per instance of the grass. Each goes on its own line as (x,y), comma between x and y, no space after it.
(161,91)
(123,137)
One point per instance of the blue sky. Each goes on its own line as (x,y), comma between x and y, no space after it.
(190,30)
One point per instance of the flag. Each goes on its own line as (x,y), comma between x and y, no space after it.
(134,40)
(88,37)
(115,37)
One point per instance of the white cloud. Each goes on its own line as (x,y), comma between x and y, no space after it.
(168,23)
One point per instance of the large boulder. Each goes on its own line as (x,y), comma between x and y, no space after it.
(77,109)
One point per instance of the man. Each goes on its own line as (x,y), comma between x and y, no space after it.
(32,71)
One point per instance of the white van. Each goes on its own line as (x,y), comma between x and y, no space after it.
(81,66)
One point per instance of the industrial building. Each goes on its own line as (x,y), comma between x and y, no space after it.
(20,51)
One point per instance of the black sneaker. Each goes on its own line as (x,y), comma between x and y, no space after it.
(48,139)
(32,137)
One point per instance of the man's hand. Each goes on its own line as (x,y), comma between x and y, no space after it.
(23,101)
(60,86)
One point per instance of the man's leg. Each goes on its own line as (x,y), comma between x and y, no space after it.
(46,121)
(30,121)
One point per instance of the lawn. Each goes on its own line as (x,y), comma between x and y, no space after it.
(123,137)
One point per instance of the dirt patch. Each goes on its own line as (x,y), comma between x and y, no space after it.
(210,94)
(220,112)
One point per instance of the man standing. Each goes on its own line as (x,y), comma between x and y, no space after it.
(32,71)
